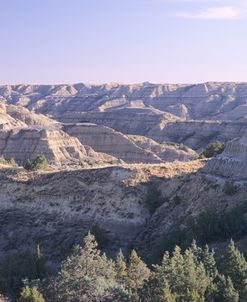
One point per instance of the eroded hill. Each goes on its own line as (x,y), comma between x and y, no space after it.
(124,158)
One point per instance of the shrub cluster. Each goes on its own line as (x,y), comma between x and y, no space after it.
(213,150)
(39,163)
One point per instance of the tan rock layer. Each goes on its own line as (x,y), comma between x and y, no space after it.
(57,146)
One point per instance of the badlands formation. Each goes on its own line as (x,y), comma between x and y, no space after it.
(107,147)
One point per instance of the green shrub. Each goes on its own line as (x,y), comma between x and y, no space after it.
(31,294)
(213,150)
(7,161)
(39,163)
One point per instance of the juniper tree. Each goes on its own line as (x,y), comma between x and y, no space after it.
(234,266)
(137,273)
(31,294)
(222,290)
(121,268)
(85,275)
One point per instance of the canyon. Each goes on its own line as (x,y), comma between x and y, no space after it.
(107,146)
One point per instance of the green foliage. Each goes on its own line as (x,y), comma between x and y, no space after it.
(212,226)
(208,227)
(213,150)
(137,274)
(8,161)
(234,266)
(39,163)
(31,294)
(87,275)
(181,277)
(222,291)
(121,268)
(153,198)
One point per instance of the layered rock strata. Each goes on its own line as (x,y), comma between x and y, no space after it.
(106,140)
(57,146)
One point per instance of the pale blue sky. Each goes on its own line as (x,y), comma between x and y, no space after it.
(98,41)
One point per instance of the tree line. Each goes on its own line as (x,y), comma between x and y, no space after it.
(87,275)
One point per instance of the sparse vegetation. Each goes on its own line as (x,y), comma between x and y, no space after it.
(39,163)
(212,150)
(7,161)
(82,164)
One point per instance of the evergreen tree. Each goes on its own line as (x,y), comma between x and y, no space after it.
(206,257)
(222,291)
(85,261)
(31,294)
(184,276)
(209,262)
(235,266)
(85,276)
(121,268)
(176,274)
(137,273)
(156,289)
(191,296)
(195,280)
(167,295)
(41,269)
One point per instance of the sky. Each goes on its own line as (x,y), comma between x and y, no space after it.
(126,41)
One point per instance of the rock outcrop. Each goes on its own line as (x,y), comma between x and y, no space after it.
(127,122)
(58,209)
(31,119)
(208,101)
(198,134)
(193,115)
(232,163)
(57,146)
(167,151)
(6,121)
(106,140)
(12,116)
